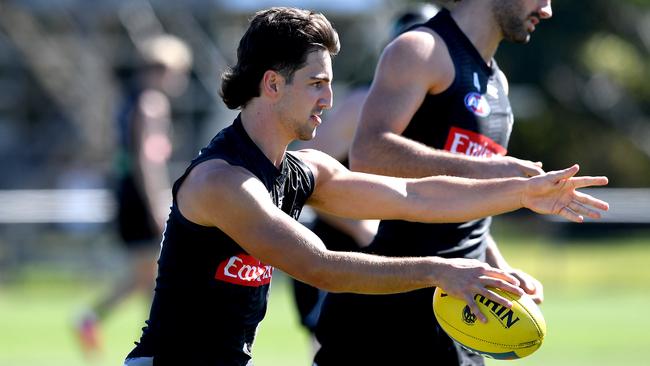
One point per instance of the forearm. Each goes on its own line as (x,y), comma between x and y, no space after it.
(493,255)
(453,199)
(368,274)
(394,155)
(155,189)
(311,262)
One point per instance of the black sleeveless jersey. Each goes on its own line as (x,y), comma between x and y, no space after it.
(210,294)
(471,117)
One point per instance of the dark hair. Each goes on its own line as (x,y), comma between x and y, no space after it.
(277,39)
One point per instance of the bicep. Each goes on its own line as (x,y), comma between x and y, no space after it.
(364,196)
(341,192)
(237,203)
(269,234)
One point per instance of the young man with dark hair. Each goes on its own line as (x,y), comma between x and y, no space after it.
(234,210)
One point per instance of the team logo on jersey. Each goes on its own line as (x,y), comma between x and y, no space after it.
(470,143)
(477,104)
(243,269)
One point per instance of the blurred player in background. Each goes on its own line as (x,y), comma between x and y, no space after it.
(438,105)
(142,177)
(334,138)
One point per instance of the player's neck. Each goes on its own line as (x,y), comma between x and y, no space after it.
(476,21)
(265,132)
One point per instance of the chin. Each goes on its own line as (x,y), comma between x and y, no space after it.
(306,136)
(520,37)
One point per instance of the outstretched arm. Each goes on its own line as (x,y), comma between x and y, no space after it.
(245,212)
(447,199)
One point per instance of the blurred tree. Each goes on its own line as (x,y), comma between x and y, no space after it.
(586,71)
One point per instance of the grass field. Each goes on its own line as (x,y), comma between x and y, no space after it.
(597,294)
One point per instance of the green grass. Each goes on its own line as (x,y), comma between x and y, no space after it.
(597,294)
(36,317)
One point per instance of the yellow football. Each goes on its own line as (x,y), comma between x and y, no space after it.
(508,334)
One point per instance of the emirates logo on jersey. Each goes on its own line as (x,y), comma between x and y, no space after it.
(470,143)
(477,104)
(245,270)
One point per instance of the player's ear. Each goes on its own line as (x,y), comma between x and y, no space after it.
(271,83)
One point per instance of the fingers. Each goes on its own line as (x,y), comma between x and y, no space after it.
(492,282)
(527,284)
(580,209)
(531,169)
(583,205)
(568,214)
(581,182)
(588,200)
(473,307)
(564,173)
(498,278)
(493,275)
(530,285)
(473,279)
(537,296)
(503,285)
(490,295)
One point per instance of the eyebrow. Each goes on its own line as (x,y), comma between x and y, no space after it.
(320,78)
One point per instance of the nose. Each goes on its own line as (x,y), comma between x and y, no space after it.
(327,99)
(545,11)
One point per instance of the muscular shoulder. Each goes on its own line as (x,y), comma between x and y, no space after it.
(323,166)
(420,55)
(215,187)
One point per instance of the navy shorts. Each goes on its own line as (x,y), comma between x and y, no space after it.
(134,226)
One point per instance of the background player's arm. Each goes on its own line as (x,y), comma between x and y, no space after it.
(245,212)
(412,66)
(528,283)
(153,149)
(362,231)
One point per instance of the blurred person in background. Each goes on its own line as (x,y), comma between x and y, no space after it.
(438,105)
(334,137)
(235,208)
(142,177)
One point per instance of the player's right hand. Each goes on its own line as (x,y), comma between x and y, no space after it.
(464,278)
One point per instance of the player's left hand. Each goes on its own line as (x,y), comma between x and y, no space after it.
(555,193)
(529,284)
